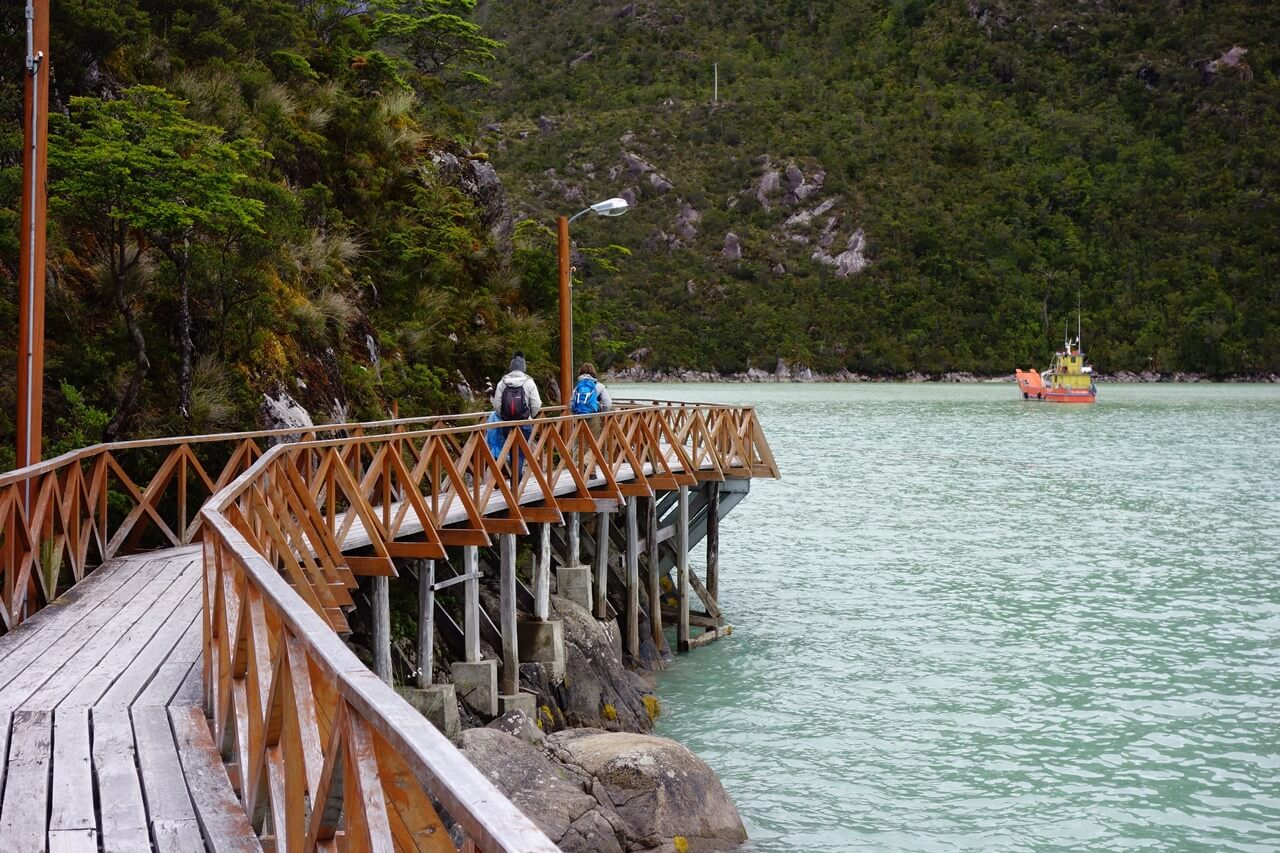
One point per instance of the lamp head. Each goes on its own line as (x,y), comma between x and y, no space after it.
(610,207)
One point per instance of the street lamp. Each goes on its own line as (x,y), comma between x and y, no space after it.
(608,207)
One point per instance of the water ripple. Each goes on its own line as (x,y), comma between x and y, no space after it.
(968,623)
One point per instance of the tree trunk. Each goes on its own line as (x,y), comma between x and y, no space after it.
(186,347)
(129,402)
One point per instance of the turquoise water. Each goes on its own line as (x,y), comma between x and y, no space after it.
(964,621)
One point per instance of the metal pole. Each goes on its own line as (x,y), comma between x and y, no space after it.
(566,314)
(31,266)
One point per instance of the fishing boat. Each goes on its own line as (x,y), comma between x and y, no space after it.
(1069,378)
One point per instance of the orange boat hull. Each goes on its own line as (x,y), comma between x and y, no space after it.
(1032,387)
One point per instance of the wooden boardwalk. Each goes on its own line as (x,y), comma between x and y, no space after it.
(101,720)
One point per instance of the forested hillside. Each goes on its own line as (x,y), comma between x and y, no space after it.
(906,185)
(253,196)
(300,198)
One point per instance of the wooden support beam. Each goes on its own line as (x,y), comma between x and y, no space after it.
(381,600)
(682,570)
(655,574)
(633,580)
(710,636)
(713,539)
(696,619)
(471,602)
(574,534)
(426,621)
(507,605)
(601,587)
(542,575)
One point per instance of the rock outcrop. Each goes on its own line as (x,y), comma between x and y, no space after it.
(591,790)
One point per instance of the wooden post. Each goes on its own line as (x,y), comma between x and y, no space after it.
(713,539)
(426,621)
(507,606)
(682,570)
(602,565)
(471,603)
(574,533)
(655,577)
(542,576)
(382,627)
(633,580)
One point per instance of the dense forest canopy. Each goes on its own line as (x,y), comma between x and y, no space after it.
(913,185)
(300,197)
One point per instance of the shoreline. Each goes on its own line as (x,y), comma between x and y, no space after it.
(801,374)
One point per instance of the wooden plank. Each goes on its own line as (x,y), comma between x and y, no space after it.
(123,819)
(173,672)
(73,841)
(26,790)
(713,539)
(633,580)
(601,586)
(682,570)
(89,674)
(573,541)
(72,791)
(141,666)
(426,621)
(507,608)
(191,691)
(380,600)
(32,640)
(710,636)
(542,574)
(223,822)
(177,836)
(168,804)
(471,603)
(655,574)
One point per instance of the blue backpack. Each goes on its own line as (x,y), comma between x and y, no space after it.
(586,397)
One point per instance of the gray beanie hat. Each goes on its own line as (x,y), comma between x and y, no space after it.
(517,362)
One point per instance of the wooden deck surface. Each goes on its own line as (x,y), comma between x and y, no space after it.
(105,742)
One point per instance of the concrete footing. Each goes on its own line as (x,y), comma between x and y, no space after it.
(476,683)
(520,701)
(543,642)
(574,583)
(438,703)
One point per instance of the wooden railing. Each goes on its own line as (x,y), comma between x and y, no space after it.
(301,718)
(62,518)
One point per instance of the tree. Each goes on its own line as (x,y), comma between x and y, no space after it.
(434,35)
(135,172)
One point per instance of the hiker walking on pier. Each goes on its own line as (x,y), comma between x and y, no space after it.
(515,398)
(589,395)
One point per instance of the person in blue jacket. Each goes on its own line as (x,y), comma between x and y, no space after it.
(589,395)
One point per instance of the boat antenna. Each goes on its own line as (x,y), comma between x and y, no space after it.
(1078,344)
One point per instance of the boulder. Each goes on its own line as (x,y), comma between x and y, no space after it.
(732,250)
(518,725)
(659,789)
(281,411)
(553,797)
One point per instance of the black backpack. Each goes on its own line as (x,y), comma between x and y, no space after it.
(513,406)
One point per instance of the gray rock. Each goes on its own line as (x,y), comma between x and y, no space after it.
(553,797)
(657,787)
(479,180)
(732,250)
(517,724)
(281,411)
(581,58)
(687,222)
(635,165)
(660,183)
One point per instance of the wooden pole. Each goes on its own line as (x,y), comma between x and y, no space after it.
(382,627)
(507,606)
(655,577)
(426,621)
(633,580)
(682,570)
(713,539)
(31,260)
(602,565)
(574,533)
(542,576)
(566,312)
(471,603)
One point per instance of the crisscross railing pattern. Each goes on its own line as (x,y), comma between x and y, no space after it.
(302,720)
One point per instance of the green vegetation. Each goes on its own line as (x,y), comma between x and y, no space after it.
(249,197)
(254,196)
(1004,159)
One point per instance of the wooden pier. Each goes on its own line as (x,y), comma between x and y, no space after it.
(172,670)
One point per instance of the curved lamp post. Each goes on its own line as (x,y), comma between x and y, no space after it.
(608,207)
